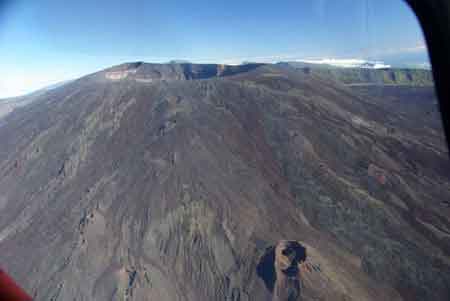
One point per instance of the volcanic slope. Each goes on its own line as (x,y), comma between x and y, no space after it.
(179,182)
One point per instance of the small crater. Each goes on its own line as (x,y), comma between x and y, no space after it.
(282,259)
(290,254)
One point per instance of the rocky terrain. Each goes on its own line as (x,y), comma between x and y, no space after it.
(212,182)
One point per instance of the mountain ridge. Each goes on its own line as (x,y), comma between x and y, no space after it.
(387,76)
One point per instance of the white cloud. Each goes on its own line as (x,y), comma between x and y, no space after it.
(347,63)
(257,59)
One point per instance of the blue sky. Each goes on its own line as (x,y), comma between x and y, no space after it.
(46,41)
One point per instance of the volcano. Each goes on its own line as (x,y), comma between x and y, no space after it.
(185,182)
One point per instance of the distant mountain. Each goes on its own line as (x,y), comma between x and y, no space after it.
(7,105)
(361,76)
(213,182)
